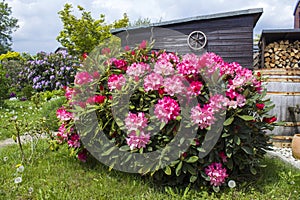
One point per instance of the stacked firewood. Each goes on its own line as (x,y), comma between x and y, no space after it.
(282,54)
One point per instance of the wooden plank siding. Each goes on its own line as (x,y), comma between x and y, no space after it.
(231,37)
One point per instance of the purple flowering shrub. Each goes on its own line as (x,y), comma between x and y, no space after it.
(49,72)
(171,93)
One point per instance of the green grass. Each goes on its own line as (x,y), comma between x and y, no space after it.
(56,175)
(22,109)
(26,111)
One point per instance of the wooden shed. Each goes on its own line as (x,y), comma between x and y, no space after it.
(228,34)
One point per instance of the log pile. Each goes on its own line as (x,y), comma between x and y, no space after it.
(282,54)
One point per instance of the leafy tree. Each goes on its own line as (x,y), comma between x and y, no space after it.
(141,22)
(81,35)
(8,25)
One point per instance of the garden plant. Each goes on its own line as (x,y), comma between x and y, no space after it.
(185,119)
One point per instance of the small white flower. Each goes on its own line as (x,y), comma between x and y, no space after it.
(30,190)
(20,169)
(18,180)
(14,118)
(231,184)
(5,159)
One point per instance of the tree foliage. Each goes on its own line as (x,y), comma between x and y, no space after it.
(8,25)
(80,35)
(140,22)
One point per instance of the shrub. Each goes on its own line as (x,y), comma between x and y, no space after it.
(49,72)
(181,119)
(48,102)
(4,85)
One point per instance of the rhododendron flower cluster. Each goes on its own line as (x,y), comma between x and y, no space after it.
(83,78)
(167,109)
(116,81)
(135,122)
(140,140)
(153,81)
(216,173)
(137,70)
(99,99)
(63,115)
(204,116)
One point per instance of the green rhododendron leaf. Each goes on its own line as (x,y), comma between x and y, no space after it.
(216,188)
(178,168)
(247,149)
(228,121)
(237,140)
(168,170)
(192,159)
(193,179)
(253,170)
(246,117)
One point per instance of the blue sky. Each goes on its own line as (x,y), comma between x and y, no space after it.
(40,24)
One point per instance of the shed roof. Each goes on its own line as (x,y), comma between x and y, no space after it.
(257,12)
(297,5)
(272,35)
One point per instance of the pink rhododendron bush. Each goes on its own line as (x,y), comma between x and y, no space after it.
(179,119)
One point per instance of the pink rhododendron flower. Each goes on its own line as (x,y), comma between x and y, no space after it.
(63,115)
(166,109)
(260,106)
(153,81)
(96,75)
(82,78)
(138,141)
(121,64)
(137,70)
(223,157)
(105,51)
(74,141)
(195,88)
(143,44)
(99,99)
(170,57)
(164,67)
(116,81)
(134,122)
(188,65)
(270,120)
(216,173)
(203,116)
(69,92)
(174,85)
(218,102)
(239,102)
(231,93)
(84,55)
(62,132)
(127,48)
(82,155)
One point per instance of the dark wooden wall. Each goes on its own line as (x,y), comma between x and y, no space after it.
(230,37)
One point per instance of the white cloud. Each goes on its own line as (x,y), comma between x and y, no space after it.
(40,23)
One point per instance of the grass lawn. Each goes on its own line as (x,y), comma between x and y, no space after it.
(56,175)
(28,115)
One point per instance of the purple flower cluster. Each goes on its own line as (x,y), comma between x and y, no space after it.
(52,71)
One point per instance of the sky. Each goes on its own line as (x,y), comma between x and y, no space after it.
(40,23)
